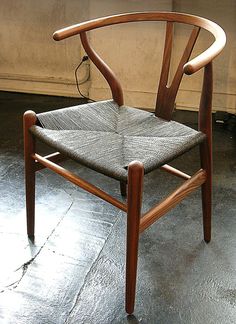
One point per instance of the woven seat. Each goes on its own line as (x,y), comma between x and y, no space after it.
(125,143)
(106,137)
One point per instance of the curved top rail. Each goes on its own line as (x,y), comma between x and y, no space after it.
(190,67)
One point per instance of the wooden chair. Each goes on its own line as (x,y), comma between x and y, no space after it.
(129,139)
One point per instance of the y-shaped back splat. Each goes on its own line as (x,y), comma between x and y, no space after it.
(166,94)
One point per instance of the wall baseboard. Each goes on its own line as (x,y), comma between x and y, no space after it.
(186,100)
(39,85)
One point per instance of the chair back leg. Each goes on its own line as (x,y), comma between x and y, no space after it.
(123,188)
(135,188)
(206,188)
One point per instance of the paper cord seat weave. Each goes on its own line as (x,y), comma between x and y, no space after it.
(106,137)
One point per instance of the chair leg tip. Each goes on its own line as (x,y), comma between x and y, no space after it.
(207,239)
(31,237)
(129,310)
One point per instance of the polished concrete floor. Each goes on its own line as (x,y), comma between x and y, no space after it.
(74,270)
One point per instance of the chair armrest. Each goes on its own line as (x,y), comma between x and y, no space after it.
(208,55)
(75,29)
(189,68)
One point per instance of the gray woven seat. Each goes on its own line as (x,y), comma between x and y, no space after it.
(106,137)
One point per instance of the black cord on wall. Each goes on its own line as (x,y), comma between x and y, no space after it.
(85,58)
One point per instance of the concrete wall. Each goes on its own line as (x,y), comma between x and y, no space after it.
(30,61)
(224,13)
(132,50)
(135,53)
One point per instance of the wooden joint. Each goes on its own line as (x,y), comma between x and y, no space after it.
(29,119)
(54,157)
(175,172)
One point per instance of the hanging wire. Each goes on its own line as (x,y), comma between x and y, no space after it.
(85,58)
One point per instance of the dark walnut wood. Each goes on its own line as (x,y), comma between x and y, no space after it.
(106,71)
(166,94)
(190,67)
(205,126)
(135,189)
(136,222)
(29,149)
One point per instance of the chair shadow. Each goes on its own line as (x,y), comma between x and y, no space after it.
(132,319)
(31,240)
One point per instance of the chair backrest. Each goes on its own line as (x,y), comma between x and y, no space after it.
(166,94)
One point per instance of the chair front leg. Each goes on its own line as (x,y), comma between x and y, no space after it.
(134,201)
(29,149)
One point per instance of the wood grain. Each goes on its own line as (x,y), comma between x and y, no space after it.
(106,71)
(192,66)
(172,200)
(29,119)
(166,94)
(163,102)
(205,126)
(135,188)
(175,172)
(54,157)
(79,182)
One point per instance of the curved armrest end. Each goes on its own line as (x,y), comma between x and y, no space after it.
(69,31)
(56,36)
(208,55)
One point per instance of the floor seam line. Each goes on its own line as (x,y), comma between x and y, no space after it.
(25,265)
(88,273)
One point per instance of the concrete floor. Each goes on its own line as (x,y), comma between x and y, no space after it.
(74,270)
